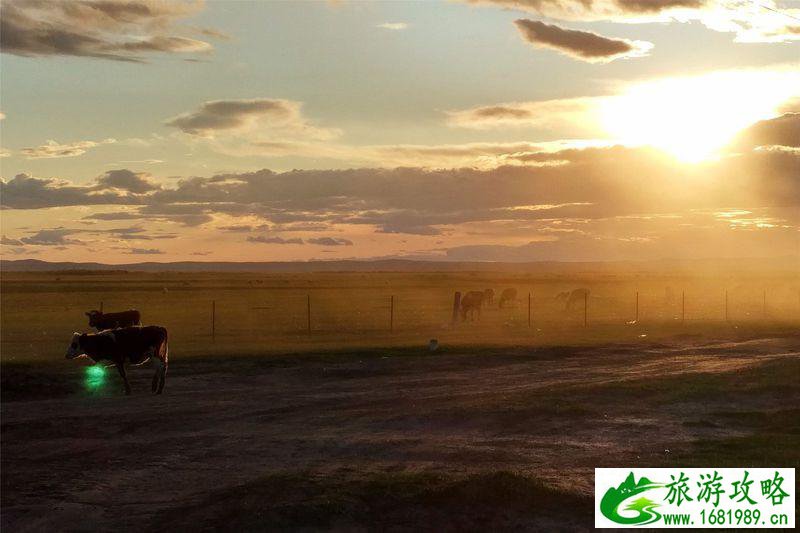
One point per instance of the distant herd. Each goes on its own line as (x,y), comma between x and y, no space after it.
(472,302)
(121,340)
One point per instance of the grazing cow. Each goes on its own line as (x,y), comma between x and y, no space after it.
(134,345)
(572,298)
(100,321)
(508,295)
(488,296)
(471,303)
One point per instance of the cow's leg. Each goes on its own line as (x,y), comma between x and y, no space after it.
(158,377)
(157,364)
(121,369)
(163,380)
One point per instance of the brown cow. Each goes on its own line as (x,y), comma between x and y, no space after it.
(508,295)
(135,345)
(471,303)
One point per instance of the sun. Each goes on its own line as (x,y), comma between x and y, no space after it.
(692,118)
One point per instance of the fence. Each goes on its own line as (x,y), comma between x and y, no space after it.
(39,319)
(309,313)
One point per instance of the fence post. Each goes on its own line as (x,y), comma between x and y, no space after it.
(456,305)
(585,309)
(529,310)
(101,307)
(213,320)
(391,313)
(637,307)
(683,307)
(726,305)
(308,311)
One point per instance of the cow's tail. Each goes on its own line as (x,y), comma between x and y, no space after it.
(160,379)
(163,349)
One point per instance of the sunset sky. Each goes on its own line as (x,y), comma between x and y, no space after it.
(498,130)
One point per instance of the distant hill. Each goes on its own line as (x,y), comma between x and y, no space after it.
(789,264)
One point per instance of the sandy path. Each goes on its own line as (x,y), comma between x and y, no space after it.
(84,463)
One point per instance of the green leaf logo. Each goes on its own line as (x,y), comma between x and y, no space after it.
(615,497)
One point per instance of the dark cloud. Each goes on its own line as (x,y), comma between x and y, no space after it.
(144,251)
(583,45)
(26,192)
(656,6)
(51,237)
(243,228)
(11,242)
(750,23)
(232,114)
(590,184)
(330,241)
(105,29)
(126,180)
(274,240)
(594,9)
(135,233)
(780,131)
(499,111)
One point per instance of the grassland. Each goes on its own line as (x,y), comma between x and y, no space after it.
(269,313)
(355,427)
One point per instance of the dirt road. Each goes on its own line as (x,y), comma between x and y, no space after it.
(106,461)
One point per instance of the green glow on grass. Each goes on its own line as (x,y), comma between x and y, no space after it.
(94,377)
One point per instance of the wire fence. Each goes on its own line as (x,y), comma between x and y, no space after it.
(254,315)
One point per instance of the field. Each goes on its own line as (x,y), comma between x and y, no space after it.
(356,425)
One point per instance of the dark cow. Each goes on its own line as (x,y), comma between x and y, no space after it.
(471,303)
(572,298)
(488,296)
(508,295)
(100,321)
(134,345)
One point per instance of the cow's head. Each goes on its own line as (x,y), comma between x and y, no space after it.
(93,315)
(74,349)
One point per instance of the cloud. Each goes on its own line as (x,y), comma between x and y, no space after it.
(243,228)
(52,149)
(11,242)
(274,240)
(531,187)
(763,21)
(27,192)
(330,241)
(610,202)
(393,26)
(144,251)
(233,114)
(582,45)
(780,131)
(542,113)
(258,126)
(591,10)
(134,233)
(109,29)
(126,180)
(51,237)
